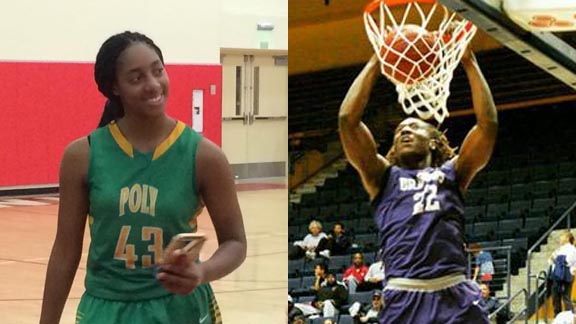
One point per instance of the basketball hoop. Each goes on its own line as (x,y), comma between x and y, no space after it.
(423,94)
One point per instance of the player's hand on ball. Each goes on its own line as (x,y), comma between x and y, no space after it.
(181,275)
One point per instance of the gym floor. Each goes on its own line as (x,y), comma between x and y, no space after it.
(254,293)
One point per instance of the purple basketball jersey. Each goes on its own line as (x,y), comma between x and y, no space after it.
(419,214)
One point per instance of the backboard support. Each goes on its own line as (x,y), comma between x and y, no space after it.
(543,49)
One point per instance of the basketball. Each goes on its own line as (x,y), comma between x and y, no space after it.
(409,54)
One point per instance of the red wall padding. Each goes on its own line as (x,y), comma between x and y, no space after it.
(44,106)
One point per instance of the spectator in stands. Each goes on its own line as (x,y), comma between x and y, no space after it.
(293,312)
(307,247)
(368,313)
(319,277)
(328,321)
(354,275)
(331,296)
(563,265)
(492,304)
(374,278)
(300,319)
(484,270)
(302,311)
(416,192)
(337,242)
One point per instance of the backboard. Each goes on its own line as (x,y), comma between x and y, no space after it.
(530,29)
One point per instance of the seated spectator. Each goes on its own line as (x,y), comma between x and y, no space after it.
(328,321)
(300,319)
(374,278)
(293,312)
(337,242)
(301,311)
(319,277)
(484,264)
(307,247)
(354,275)
(331,296)
(368,313)
(492,304)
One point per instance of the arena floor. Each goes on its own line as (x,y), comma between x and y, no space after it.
(255,293)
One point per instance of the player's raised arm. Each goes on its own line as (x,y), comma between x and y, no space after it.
(477,147)
(358,142)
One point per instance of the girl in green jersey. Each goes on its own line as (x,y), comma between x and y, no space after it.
(139,180)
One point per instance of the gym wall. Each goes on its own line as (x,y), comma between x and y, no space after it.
(49,96)
(239,20)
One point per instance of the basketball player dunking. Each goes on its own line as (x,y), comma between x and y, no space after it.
(417,192)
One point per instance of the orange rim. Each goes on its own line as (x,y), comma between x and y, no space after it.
(391,3)
(467,27)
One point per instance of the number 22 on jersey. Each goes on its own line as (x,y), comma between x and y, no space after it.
(426,200)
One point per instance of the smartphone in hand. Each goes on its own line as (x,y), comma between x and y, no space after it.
(189,243)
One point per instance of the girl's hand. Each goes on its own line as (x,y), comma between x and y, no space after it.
(181,275)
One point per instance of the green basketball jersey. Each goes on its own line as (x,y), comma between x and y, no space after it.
(138,202)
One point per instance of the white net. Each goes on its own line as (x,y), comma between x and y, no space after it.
(418,51)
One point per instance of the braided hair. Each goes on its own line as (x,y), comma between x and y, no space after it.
(105,70)
(441,154)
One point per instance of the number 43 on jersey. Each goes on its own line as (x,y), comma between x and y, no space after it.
(127,252)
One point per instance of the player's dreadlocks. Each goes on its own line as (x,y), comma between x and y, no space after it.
(441,154)
(105,70)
